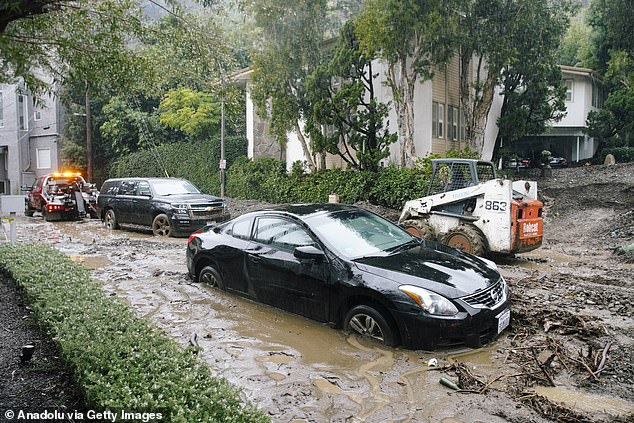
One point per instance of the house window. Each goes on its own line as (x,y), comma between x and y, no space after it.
(597,95)
(438,119)
(452,122)
(23,114)
(37,114)
(43,158)
(1,112)
(569,84)
(462,120)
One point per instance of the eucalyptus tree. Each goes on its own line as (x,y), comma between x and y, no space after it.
(508,43)
(290,48)
(411,37)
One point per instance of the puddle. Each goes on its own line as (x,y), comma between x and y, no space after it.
(91,262)
(590,403)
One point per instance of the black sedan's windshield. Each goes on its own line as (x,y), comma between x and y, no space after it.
(173,187)
(358,233)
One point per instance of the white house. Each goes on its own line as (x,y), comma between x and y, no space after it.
(438,119)
(567,138)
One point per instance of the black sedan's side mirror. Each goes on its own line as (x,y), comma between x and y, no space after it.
(308,252)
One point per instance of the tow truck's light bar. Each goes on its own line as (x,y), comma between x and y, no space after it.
(66,174)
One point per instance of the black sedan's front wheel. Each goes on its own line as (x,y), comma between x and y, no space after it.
(211,276)
(367,321)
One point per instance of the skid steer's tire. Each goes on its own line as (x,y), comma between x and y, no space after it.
(419,228)
(467,238)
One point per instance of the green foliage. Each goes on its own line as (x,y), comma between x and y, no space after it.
(196,161)
(290,49)
(621,154)
(576,48)
(268,180)
(195,113)
(412,37)
(119,360)
(513,43)
(341,92)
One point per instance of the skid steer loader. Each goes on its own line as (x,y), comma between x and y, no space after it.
(469,208)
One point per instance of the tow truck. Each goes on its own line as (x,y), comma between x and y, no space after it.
(62,196)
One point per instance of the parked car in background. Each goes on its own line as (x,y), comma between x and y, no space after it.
(350,268)
(169,206)
(517,163)
(61,196)
(558,162)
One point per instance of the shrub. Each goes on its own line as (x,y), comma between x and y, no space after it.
(621,154)
(119,360)
(196,161)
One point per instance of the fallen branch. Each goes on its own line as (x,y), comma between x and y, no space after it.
(550,379)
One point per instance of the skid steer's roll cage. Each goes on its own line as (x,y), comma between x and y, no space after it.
(466,171)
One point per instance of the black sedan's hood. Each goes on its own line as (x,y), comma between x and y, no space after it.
(189,198)
(433,266)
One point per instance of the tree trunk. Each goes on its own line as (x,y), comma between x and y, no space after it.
(402,83)
(476,97)
(307,153)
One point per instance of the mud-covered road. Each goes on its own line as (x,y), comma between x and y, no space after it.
(572,324)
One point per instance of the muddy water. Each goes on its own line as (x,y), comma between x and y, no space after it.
(584,401)
(291,367)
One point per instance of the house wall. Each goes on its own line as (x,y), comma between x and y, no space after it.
(20,146)
(581,104)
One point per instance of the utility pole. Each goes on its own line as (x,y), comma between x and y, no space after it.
(89,155)
(223,162)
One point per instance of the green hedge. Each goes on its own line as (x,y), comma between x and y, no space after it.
(196,161)
(267,180)
(621,154)
(120,361)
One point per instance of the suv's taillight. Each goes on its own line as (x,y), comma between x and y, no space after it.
(193,235)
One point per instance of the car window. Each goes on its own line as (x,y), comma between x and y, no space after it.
(128,188)
(109,188)
(144,188)
(281,233)
(37,183)
(239,229)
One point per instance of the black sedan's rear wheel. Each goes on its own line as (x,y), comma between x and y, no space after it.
(367,321)
(211,276)
(161,225)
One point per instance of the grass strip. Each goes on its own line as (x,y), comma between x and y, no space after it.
(119,361)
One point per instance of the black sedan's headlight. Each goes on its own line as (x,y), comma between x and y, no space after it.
(431,302)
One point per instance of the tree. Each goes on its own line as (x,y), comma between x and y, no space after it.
(195,113)
(412,37)
(291,47)
(342,94)
(614,42)
(499,36)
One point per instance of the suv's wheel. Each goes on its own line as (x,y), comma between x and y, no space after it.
(161,225)
(211,276)
(110,220)
(367,321)
(467,238)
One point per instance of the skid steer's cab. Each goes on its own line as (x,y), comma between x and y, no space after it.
(468,207)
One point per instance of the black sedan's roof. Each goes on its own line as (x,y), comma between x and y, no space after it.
(306,210)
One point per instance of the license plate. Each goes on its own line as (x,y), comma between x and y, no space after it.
(504,319)
(211,222)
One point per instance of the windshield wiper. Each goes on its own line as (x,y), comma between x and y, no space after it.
(406,246)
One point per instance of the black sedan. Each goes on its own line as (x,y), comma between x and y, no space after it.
(350,268)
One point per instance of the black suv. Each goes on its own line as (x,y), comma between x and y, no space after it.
(169,206)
